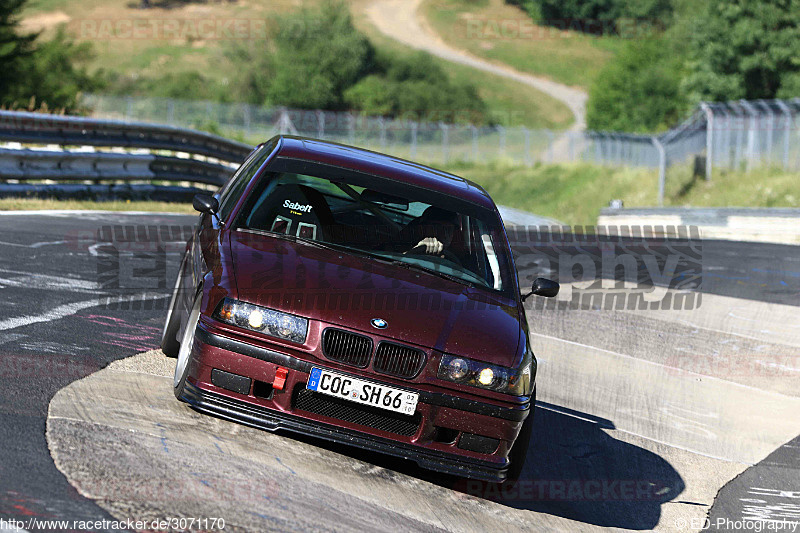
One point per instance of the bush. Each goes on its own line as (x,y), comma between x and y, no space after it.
(322,62)
(319,54)
(745,49)
(415,86)
(596,16)
(189,85)
(639,91)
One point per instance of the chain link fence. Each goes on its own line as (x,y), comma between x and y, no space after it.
(735,135)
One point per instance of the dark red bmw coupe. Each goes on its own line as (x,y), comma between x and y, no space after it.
(360,298)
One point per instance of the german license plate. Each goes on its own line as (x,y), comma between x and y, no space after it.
(362,391)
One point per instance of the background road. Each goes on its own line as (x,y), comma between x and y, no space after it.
(682,401)
(399,20)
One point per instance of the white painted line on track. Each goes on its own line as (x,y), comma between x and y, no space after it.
(62,212)
(4,527)
(44,281)
(70,309)
(34,245)
(666,367)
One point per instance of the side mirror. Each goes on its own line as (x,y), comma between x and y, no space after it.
(543,287)
(205,203)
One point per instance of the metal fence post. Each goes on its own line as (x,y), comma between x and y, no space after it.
(474,144)
(351,128)
(382,124)
(246,118)
(445,142)
(727,137)
(662,169)
(528,156)
(320,124)
(751,133)
(413,140)
(787,133)
(709,139)
(170,111)
(766,151)
(502,133)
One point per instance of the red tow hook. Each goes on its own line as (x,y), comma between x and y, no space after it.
(280,378)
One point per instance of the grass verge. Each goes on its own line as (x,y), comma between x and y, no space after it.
(500,32)
(173,41)
(571,193)
(575,193)
(35,204)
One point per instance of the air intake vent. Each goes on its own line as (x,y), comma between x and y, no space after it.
(363,415)
(346,347)
(398,360)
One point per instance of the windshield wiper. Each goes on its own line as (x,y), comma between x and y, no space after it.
(321,244)
(414,266)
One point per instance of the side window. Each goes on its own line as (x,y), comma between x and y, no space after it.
(235,187)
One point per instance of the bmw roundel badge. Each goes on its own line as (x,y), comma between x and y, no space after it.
(379,323)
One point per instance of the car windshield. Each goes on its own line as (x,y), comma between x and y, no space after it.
(412,227)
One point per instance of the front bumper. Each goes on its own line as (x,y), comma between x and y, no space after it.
(214,351)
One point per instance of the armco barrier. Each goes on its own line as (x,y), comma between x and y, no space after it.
(776,225)
(40,128)
(140,153)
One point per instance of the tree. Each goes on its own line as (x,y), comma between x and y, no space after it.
(319,54)
(639,91)
(40,71)
(596,16)
(745,49)
(15,49)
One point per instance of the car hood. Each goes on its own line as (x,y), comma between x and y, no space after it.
(350,291)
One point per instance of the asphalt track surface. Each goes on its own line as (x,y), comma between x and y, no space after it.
(689,401)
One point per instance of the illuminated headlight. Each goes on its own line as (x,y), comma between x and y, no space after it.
(516,381)
(267,321)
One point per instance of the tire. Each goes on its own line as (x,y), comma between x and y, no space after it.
(169,336)
(186,345)
(519,451)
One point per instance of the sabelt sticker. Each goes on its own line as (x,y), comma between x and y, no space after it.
(294,206)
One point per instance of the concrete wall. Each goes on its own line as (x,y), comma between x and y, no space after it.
(777,225)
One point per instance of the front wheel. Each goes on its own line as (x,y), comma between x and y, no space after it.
(519,451)
(169,335)
(185,351)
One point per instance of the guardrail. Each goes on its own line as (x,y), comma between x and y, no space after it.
(39,128)
(141,152)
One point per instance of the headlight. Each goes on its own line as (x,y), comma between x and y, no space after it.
(516,381)
(263,320)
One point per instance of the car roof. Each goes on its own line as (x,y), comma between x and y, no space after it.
(378,164)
